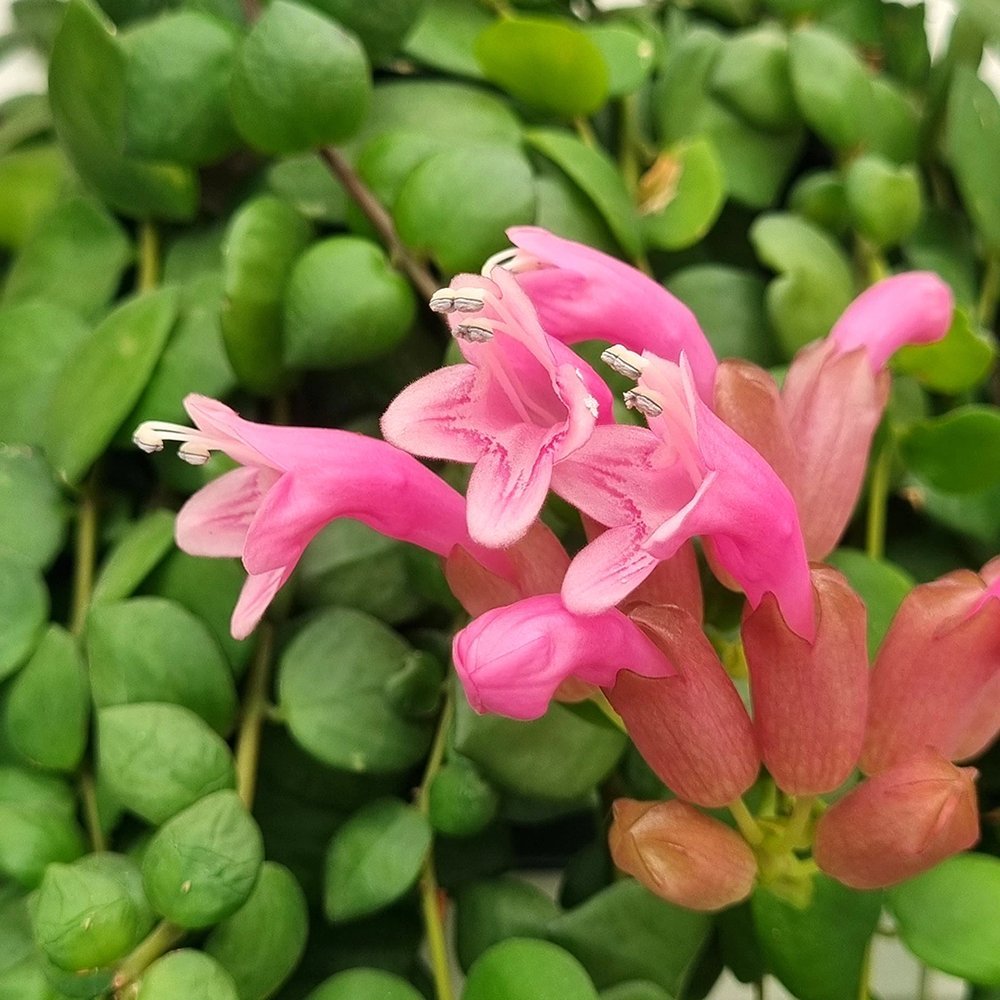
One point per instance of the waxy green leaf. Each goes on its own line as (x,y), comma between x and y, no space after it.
(528,970)
(381,25)
(32,512)
(885,201)
(958,452)
(365,984)
(31,181)
(135,556)
(959,362)
(24,609)
(189,974)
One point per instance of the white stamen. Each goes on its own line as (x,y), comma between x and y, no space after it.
(478,332)
(591,404)
(194,454)
(195,447)
(446,300)
(503,258)
(647,402)
(624,361)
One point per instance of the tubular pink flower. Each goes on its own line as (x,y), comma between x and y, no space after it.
(294,480)
(689,475)
(583,294)
(513,659)
(522,403)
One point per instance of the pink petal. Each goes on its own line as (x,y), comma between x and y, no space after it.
(911,308)
(256,595)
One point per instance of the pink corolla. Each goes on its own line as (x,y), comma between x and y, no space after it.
(583,294)
(511,660)
(522,403)
(688,475)
(817,432)
(291,482)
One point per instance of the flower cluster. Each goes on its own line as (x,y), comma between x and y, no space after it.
(763,478)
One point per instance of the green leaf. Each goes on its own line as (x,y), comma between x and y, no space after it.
(300,81)
(751,76)
(201,865)
(365,984)
(345,305)
(87,92)
(24,609)
(943,243)
(815,285)
(683,194)
(331,690)
(32,513)
(373,859)
(972,147)
(157,759)
(263,241)
(445,35)
(31,181)
(831,86)
(525,969)
(885,201)
(150,649)
(494,185)
(637,989)
(260,963)
(819,197)
(306,182)
(49,704)
(629,55)
(881,584)
(74,258)
(729,304)
(949,917)
(33,836)
(595,175)
(134,557)
(562,208)
(461,802)
(893,129)
(625,932)
(176,89)
(905,43)
(959,362)
(189,974)
(382,25)
(817,952)
(560,756)
(25,117)
(491,911)
(958,452)
(37,339)
(547,63)
(103,379)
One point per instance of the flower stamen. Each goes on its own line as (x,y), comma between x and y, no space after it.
(624,361)
(478,332)
(447,300)
(195,447)
(648,402)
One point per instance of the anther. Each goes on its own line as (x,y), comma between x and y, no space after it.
(478,332)
(194,454)
(643,401)
(592,406)
(446,300)
(624,361)
(195,447)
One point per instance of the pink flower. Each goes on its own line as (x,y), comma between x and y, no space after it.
(513,659)
(689,475)
(522,403)
(583,294)
(292,482)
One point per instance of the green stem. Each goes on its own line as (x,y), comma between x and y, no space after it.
(924,983)
(878,501)
(797,823)
(864,991)
(872,261)
(91,814)
(585,132)
(752,833)
(255,710)
(149,257)
(381,220)
(989,294)
(429,893)
(759,987)
(85,556)
(159,940)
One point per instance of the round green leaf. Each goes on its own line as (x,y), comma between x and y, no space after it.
(33,836)
(820,198)
(24,609)
(831,85)
(547,63)
(32,513)
(30,183)
(893,129)
(955,364)
(365,984)
(462,803)
(158,759)
(629,55)
(635,989)
(300,81)
(682,195)
(306,182)
(201,865)
(176,88)
(331,689)
(345,305)
(885,201)
(188,974)
(958,452)
(494,185)
(262,243)
(49,704)
(374,858)
(444,38)
(103,379)
(258,963)
(526,969)
(381,25)
(563,209)
(152,650)
(135,556)
(949,917)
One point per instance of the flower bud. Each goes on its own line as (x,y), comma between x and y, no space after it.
(899,823)
(932,676)
(691,728)
(810,700)
(682,855)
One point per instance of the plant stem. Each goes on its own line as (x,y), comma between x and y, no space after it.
(255,709)
(149,257)
(376,214)
(85,555)
(429,893)
(585,132)
(924,983)
(752,833)
(759,987)
(989,294)
(878,502)
(159,940)
(797,822)
(864,992)
(91,814)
